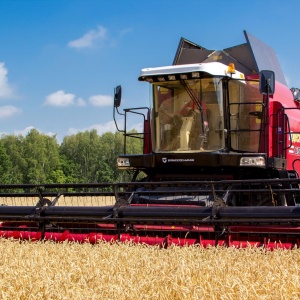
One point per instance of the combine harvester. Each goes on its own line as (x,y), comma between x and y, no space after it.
(219,166)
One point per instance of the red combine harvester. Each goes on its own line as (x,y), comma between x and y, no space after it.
(219,167)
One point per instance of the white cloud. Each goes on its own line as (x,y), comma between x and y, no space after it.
(106,127)
(24,131)
(8,111)
(60,98)
(6,90)
(101,128)
(89,39)
(139,127)
(101,100)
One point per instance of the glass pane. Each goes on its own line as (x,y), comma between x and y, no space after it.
(245,115)
(188,115)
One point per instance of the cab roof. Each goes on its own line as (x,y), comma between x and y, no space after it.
(249,58)
(212,68)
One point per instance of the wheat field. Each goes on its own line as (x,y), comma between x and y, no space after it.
(70,200)
(48,270)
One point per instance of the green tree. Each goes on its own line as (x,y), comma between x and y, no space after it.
(83,149)
(14,149)
(69,168)
(108,153)
(5,167)
(82,157)
(41,153)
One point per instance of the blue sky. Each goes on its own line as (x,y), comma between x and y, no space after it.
(61,59)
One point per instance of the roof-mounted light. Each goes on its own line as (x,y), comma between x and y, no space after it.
(183,76)
(161,78)
(231,68)
(149,79)
(171,77)
(252,161)
(195,75)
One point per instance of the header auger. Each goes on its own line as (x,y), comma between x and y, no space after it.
(154,213)
(220,162)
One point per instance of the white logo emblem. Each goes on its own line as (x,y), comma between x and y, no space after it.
(164,160)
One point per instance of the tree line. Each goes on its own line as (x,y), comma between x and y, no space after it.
(85,157)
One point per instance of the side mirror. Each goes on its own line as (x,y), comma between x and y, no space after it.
(267,82)
(296,94)
(118,96)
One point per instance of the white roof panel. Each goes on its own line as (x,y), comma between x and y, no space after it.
(213,68)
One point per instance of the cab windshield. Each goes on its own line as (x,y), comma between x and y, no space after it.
(188,115)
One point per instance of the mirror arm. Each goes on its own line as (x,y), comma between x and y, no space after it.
(114,117)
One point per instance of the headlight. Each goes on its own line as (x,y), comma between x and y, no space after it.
(123,162)
(253,161)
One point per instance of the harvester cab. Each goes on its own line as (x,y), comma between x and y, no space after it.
(220,162)
(216,115)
